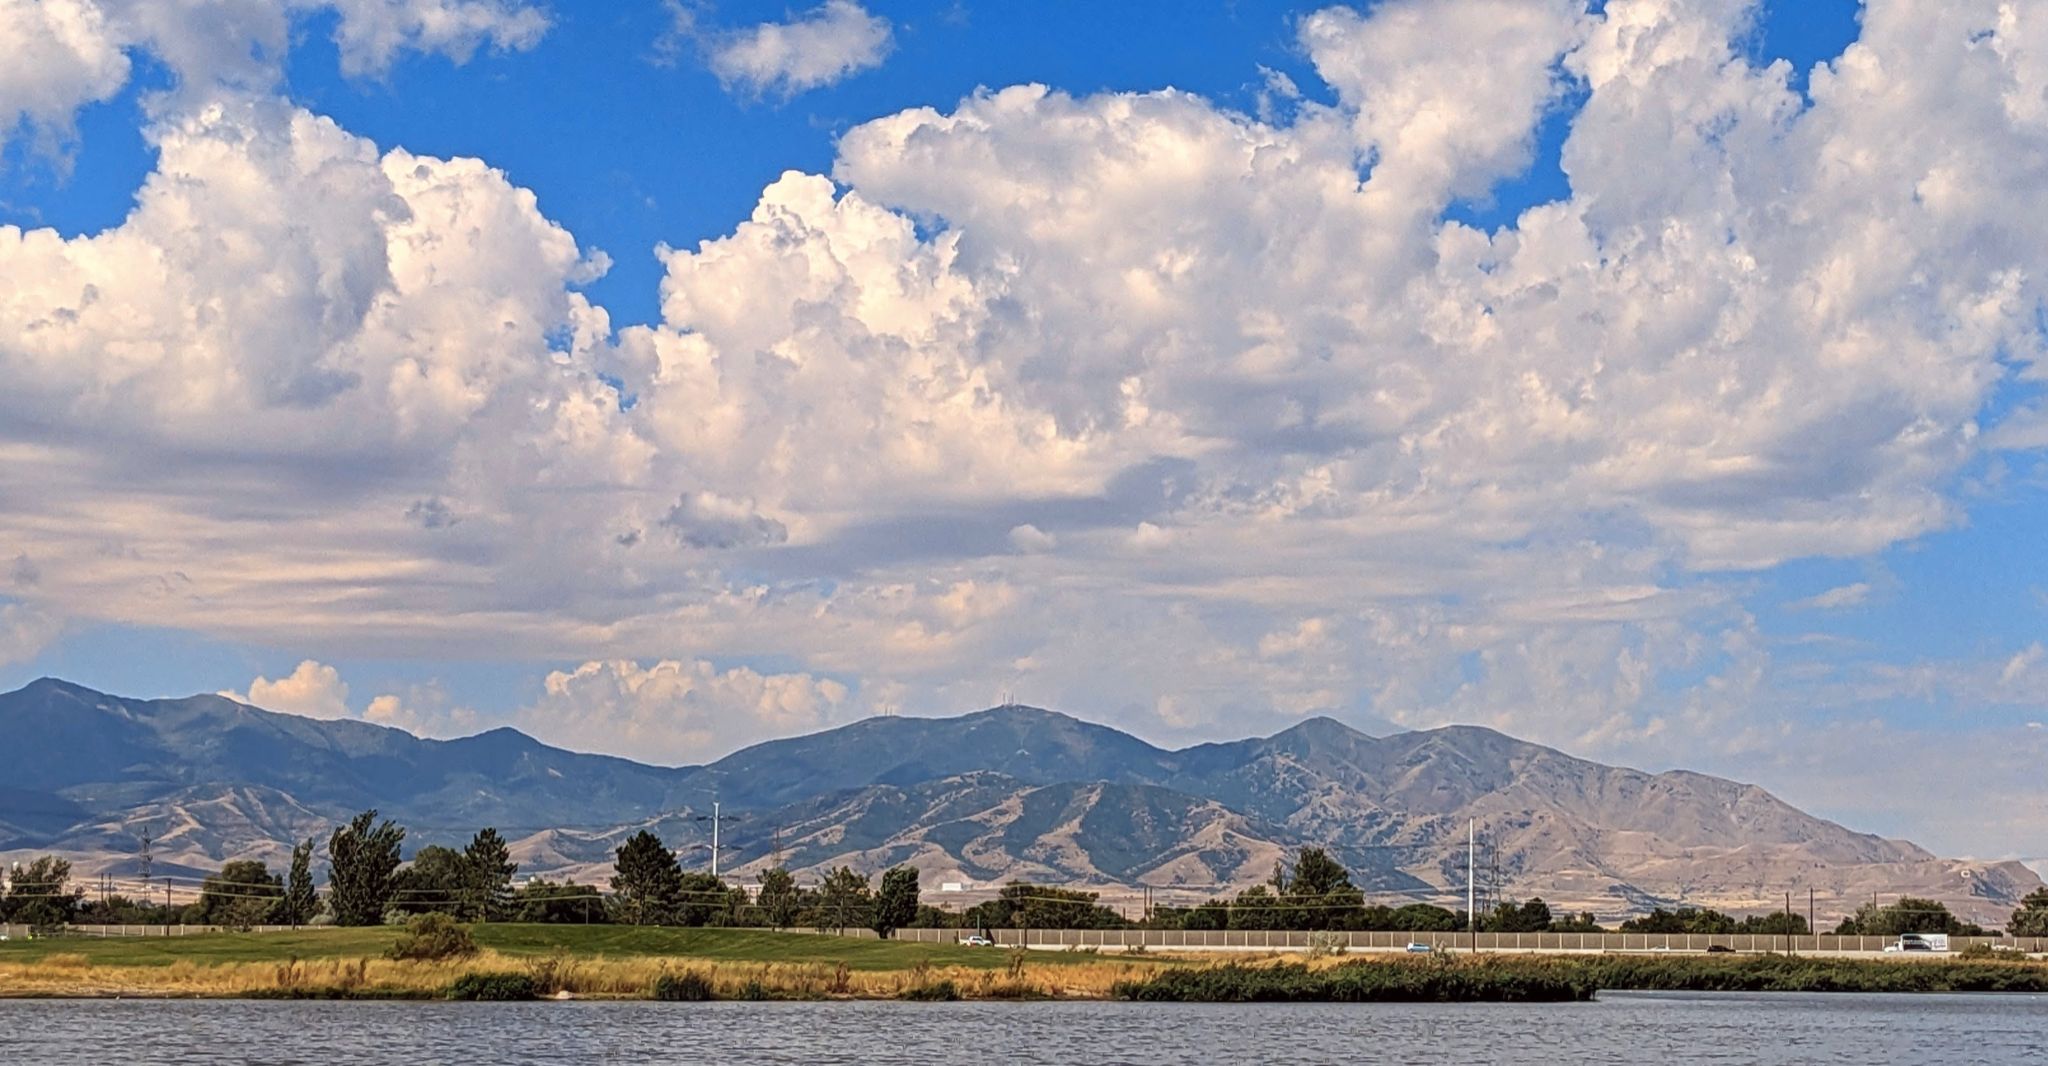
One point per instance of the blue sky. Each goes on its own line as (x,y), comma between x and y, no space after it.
(1583,413)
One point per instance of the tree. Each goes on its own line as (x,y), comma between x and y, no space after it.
(240,896)
(541,900)
(702,899)
(778,897)
(1317,874)
(1022,905)
(1317,895)
(364,855)
(1257,908)
(647,878)
(1683,920)
(896,902)
(40,895)
(1510,917)
(1908,915)
(1775,923)
(300,903)
(436,880)
(488,870)
(1425,918)
(2031,917)
(1583,922)
(119,910)
(843,899)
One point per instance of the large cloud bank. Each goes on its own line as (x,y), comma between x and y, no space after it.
(1128,401)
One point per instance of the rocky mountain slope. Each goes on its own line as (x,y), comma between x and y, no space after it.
(1006,793)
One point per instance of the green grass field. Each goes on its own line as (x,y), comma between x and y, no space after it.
(609,941)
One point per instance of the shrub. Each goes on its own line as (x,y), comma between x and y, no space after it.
(933,992)
(686,987)
(432,937)
(493,987)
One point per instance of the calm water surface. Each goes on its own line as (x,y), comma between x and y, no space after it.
(1621,1028)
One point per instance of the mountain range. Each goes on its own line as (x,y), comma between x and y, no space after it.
(975,800)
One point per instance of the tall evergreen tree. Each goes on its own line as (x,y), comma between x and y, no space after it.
(364,855)
(896,902)
(300,903)
(648,879)
(488,881)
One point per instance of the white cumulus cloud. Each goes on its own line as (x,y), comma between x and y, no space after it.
(312,690)
(829,44)
(64,54)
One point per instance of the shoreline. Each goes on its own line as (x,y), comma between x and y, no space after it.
(540,964)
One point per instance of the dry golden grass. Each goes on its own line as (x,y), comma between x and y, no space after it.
(581,976)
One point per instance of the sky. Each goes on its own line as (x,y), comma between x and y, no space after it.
(1655,379)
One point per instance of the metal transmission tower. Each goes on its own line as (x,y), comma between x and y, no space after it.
(144,856)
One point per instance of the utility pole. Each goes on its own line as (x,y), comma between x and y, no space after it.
(1471,880)
(1811,929)
(1789,942)
(714,838)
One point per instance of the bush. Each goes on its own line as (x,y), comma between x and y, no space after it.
(933,992)
(493,987)
(686,987)
(432,937)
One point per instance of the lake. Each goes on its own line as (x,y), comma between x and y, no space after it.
(1620,1028)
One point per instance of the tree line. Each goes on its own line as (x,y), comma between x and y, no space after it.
(369,884)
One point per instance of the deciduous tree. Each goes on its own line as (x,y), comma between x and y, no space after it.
(241,895)
(2031,917)
(40,893)
(896,902)
(843,900)
(364,854)
(778,897)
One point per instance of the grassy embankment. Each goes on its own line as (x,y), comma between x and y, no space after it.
(625,962)
(594,961)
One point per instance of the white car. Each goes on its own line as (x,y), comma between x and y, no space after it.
(977,941)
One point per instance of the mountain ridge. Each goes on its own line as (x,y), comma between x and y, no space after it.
(990,795)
